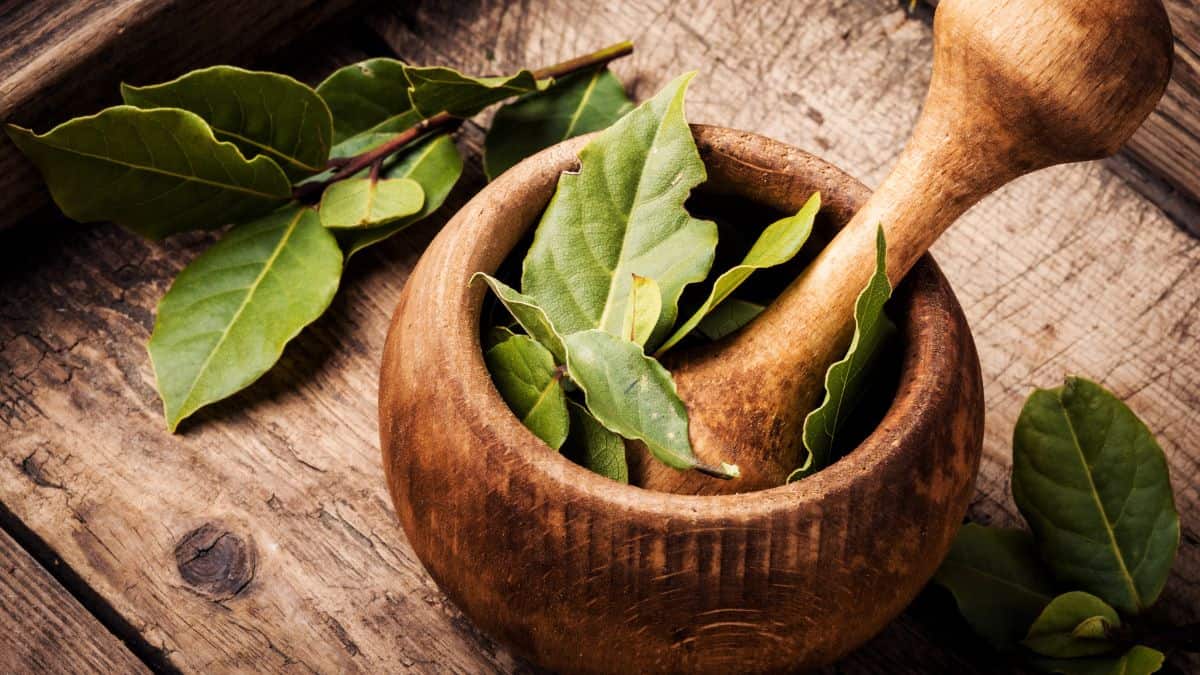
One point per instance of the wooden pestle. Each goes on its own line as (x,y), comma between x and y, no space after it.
(1018,85)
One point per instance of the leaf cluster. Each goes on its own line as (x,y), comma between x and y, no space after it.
(1066,596)
(307,177)
(600,295)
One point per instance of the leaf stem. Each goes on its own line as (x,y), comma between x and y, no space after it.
(348,166)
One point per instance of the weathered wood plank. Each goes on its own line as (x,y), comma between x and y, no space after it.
(45,630)
(1169,143)
(1066,271)
(60,58)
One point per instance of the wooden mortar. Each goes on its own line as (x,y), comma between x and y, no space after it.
(582,574)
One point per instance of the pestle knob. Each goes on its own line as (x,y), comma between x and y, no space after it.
(1018,85)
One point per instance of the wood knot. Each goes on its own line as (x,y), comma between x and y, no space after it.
(215,561)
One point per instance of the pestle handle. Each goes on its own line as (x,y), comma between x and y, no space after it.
(1018,85)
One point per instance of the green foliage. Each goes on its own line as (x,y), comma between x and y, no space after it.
(779,243)
(845,381)
(229,314)
(527,313)
(364,203)
(641,311)
(997,582)
(156,172)
(728,317)
(224,145)
(527,378)
(624,208)
(368,94)
(595,447)
(1092,482)
(1138,660)
(634,396)
(1093,485)
(575,105)
(261,113)
(435,89)
(1073,624)
(435,165)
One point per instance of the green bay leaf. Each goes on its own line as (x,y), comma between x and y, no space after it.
(574,105)
(623,214)
(779,243)
(362,202)
(1074,624)
(156,172)
(1093,485)
(435,164)
(367,94)
(1138,660)
(997,582)
(595,447)
(527,313)
(528,380)
(845,381)
(261,113)
(728,317)
(846,378)
(642,310)
(632,395)
(228,315)
(436,89)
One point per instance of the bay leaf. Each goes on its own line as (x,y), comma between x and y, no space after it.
(779,243)
(495,335)
(435,89)
(1074,624)
(363,202)
(156,172)
(367,94)
(845,380)
(527,313)
(1138,660)
(435,164)
(727,317)
(228,315)
(594,447)
(574,105)
(623,214)
(632,395)
(261,113)
(997,582)
(527,379)
(642,310)
(1093,485)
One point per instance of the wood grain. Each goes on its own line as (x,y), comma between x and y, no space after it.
(1065,271)
(45,630)
(60,59)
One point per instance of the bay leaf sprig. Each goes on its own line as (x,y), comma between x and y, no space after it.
(307,177)
(610,258)
(1093,485)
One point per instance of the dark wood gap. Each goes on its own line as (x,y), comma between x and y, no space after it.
(112,620)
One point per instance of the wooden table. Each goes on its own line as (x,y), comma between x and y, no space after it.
(262,537)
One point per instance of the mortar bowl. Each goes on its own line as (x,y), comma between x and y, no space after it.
(578,573)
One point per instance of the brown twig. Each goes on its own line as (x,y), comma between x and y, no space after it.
(348,166)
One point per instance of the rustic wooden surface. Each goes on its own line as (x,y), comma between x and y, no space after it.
(44,629)
(60,58)
(263,534)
